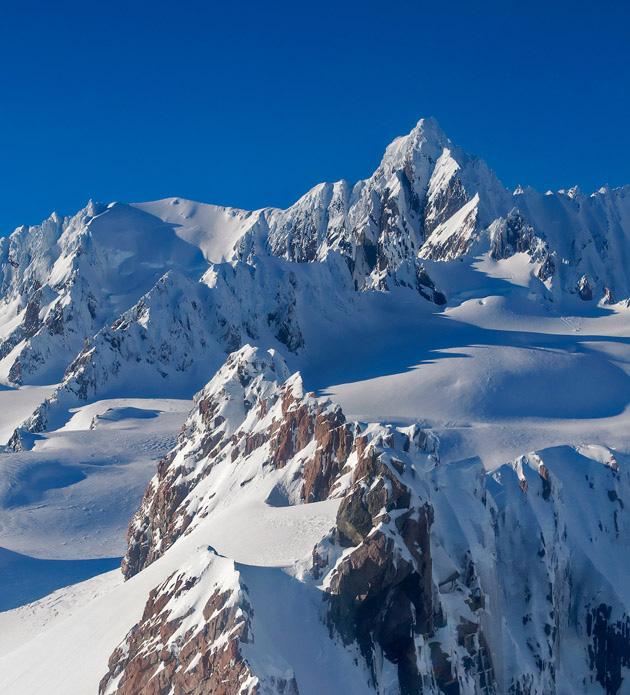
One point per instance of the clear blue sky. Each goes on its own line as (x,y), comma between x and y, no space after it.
(251,103)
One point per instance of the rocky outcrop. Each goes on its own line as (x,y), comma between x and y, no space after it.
(512,235)
(455,237)
(446,194)
(251,412)
(439,570)
(381,593)
(380,584)
(191,639)
(584,289)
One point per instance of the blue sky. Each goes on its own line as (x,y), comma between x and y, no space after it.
(251,103)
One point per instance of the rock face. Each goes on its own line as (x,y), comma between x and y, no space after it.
(250,419)
(191,639)
(381,592)
(470,582)
(584,289)
(441,578)
(513,235)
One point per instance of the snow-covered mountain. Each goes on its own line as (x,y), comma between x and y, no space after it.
(440,576)
(65,279)
(405,469)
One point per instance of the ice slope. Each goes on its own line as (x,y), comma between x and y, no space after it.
(495,376)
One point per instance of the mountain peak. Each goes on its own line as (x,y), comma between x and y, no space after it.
(429,126)
(428,132)
(426,138)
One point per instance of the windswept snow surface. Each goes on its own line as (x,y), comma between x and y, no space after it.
(71,497)
(495,375)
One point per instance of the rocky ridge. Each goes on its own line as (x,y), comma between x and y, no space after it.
(193,637)
(445,579)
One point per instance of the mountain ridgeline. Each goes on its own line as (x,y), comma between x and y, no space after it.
(69,284)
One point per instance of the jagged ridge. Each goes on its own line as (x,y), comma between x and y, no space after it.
(446,578)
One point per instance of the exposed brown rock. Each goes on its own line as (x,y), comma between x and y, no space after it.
(377,595)
(207,659)
(303,420)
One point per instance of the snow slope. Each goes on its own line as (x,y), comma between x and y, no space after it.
(215,230)
(113,606)
(495,381)
(71,496)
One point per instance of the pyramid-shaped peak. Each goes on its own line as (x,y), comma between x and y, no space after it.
(425,138)
(429,128)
